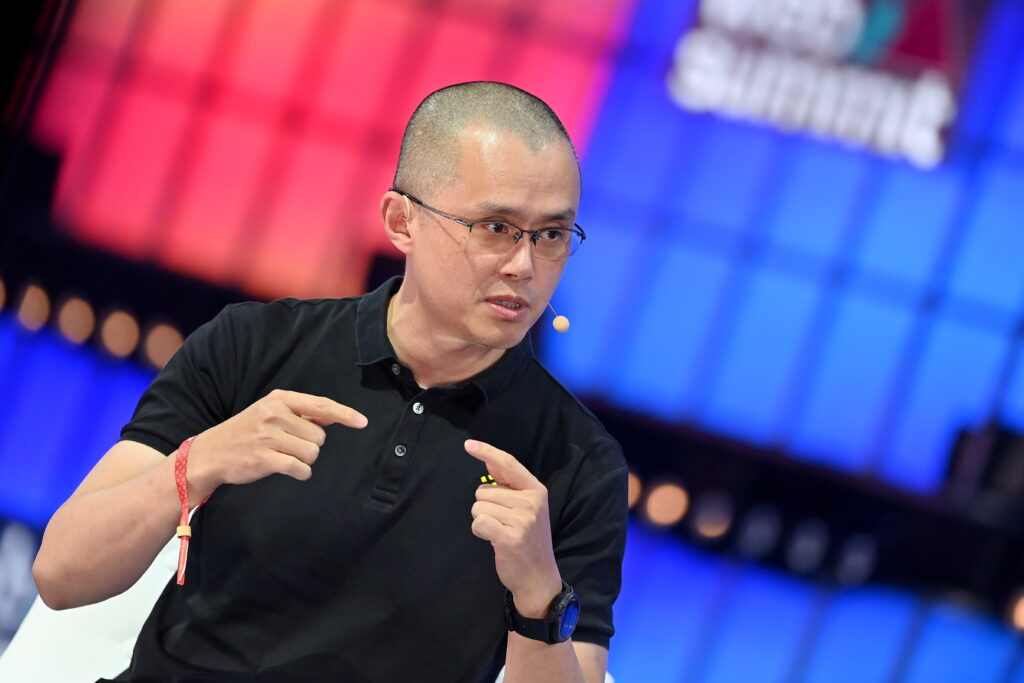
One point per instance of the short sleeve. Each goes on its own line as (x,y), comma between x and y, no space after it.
(193,392)
(590,541)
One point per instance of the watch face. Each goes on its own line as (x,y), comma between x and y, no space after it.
(569,618)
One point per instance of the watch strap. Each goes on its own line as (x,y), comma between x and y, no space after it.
(546,630)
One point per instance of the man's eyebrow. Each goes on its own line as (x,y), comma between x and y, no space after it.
(493,209)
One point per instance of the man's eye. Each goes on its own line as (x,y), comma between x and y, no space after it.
(552,235)
(494,228)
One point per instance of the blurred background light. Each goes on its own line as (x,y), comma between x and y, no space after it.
(759,531)
(713,514)
(634,490)
(120,334)
(76,320)
(1017,611)
(808,543)
(857,559)
(666,504)
(34,307)
(162,341)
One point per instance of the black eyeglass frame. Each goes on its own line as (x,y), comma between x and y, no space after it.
(576,229)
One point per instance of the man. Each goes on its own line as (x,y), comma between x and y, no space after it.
(409,424)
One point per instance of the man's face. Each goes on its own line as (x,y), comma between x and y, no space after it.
(492,300)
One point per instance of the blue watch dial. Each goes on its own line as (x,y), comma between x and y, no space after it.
(569,618)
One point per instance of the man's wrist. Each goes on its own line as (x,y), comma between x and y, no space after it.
(535,604)
(200,480)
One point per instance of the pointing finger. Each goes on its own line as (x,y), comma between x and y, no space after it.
(322,410)
(502,466)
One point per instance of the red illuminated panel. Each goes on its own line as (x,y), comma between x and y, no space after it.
(604,20)
(66,117)
(104,23)
(501,7)
(571,83)
(454,51)
(928,38)
(288,253)
(249,143)
(363,61)
(271,42)
(67,110)
(363,209)
(119,198)
(347,256)
(204,237)
(184,34)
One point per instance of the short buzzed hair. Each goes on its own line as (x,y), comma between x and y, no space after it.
(429,146)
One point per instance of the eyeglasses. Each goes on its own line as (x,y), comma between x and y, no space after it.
(497,237)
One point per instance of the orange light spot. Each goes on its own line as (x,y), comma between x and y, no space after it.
(75,320)
(635,488)
(34,309)
(120,334)
(161,343)
(1017,612)
(666,504)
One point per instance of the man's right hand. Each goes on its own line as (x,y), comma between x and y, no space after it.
(279,434)
(101,540)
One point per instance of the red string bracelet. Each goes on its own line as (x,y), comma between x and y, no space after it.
(184,530)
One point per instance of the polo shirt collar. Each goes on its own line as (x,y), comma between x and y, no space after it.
(373,345)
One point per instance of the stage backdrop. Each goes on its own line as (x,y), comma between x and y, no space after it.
(805,228)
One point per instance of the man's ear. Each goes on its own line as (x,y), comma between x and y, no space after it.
(396,210)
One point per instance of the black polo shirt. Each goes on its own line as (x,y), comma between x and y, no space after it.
(369,570)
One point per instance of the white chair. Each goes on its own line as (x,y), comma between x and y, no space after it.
(95,641)
(501,677)
(85,643)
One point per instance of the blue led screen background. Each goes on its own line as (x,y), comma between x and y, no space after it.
(844,307)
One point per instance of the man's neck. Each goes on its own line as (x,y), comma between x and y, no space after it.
(435,359)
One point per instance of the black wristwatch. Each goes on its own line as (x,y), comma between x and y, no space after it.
(556,627)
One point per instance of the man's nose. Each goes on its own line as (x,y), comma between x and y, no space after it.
(519,263)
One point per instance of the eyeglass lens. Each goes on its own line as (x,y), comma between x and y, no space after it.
(494,237)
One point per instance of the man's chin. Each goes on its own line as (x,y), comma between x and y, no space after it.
(503,339)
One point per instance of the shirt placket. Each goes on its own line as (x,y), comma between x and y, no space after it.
(402,448)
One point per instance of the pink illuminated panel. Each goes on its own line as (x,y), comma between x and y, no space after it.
(601,20)
(120,198)
(65,119)
(205,234)
(105,23)
(269,45)
(307,214)
(353,85)
(186,35)
(567,81)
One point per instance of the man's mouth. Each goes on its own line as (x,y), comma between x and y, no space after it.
(510,308)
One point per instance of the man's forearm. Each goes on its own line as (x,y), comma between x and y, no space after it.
(531,661)
(99,543)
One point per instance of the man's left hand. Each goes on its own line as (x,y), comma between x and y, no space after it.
(514,517)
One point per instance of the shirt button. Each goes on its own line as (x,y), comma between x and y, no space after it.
(396,368)
(401,450)
(417,408)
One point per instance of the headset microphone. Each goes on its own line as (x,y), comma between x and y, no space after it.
(560,323)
